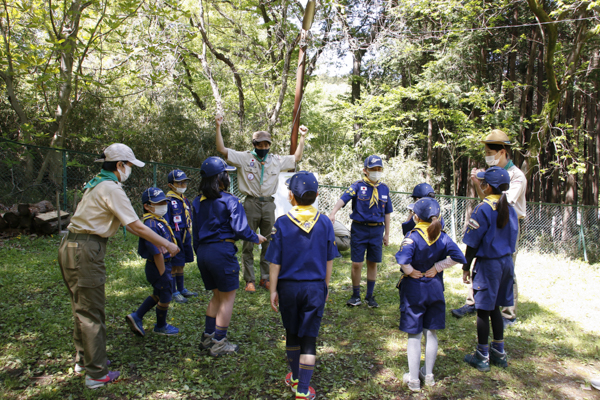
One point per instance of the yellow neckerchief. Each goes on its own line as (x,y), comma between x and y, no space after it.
(421,228)
(148,215)
(188,216)
(492,200)
(304,216)
(375,196)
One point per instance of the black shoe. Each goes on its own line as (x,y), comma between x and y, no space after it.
(464,310)
(354,301)
(479,361)
(498,359)
(371,302)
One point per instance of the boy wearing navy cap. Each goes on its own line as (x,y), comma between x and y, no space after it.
(491,236)
(218,220)
(419,191)
(180,220)
(371,209)
(158,267)
(301,254)
(423,256)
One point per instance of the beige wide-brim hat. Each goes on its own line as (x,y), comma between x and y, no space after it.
(261,136)
(497,136)
(120,152)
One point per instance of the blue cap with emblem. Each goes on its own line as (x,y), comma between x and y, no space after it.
(214,165)
(494,176)
(426,207)
(177,175)
(153,195)
(373,161)
(423,190)
(302,182)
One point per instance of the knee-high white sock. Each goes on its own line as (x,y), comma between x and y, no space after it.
(413,352)
(431,349)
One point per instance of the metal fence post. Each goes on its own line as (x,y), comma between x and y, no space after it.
(154,174)
(64,165)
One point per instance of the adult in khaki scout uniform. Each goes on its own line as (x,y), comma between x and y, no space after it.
(497,153)
(258,177)
(104,207)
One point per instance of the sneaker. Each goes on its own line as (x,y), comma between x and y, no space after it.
(497,358)
(250,287)
(91,383)
(371,302)
(464,310)
(289,381)
(135,324)
(354,301)
(187,293)
(79,369)
(178,297)
(595,382)
(311,395)
(479,361)
(265,283)
(207,341)
(167,330)
(222,347)
(426,378)
(508,322)
(414,385)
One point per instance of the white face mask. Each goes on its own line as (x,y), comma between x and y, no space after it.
(491,160)
(125,175)
(180,190)
(375,175)
(160,210)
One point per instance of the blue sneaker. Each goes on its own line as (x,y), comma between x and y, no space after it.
(187,293)
(167,330)
(135,324)
(178,297)
(508,322)
(464,310)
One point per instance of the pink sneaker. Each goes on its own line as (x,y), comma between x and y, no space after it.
(91,383)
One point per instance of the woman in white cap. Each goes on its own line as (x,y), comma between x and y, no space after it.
(104,207)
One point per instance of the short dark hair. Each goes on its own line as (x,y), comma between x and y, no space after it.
(307,198)
(498,147)
(110,165)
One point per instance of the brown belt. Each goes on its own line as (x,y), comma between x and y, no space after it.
(368,223)
(264,199)
(86,236)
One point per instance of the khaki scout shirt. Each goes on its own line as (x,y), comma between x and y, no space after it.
(516,192)
(102,210)
(249,170)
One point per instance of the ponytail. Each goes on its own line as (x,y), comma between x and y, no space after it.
(502,206)
(434,229)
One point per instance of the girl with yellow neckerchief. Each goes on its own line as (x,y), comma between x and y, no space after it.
(491,237)
(425,252)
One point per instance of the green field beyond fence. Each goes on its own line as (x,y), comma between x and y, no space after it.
(29,174)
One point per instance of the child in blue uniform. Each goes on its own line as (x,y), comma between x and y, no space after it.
(371,209)
(218,220)
(158,267)
(301,254)
(423,256)
(491,237)
(419,191)
(180,219)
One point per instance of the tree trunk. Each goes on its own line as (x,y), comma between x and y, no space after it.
(429,148)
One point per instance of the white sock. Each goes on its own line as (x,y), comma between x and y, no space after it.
(413,352)
(431,349)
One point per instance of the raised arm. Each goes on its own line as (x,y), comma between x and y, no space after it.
(219,138)
(300,148)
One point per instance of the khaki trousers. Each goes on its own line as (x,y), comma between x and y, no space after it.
(81,260)
(260,215)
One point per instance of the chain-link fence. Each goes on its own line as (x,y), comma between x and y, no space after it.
(29,174)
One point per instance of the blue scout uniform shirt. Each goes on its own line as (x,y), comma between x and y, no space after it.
(216,220)
(147,250)
(483,234)
(302,255)
(177,217)
(360,192)
(410,225)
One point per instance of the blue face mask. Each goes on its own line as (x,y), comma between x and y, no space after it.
(262,153)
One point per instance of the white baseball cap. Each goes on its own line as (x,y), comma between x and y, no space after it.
(120,152)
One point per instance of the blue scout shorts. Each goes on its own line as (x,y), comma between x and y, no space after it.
(369,238)
(422,304)
(162,284)
(493,282)
(186,253)
(219,266)
(301,304)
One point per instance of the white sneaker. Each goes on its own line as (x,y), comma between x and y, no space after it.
(222,347)
(414,385)
(595,382)
(426,378)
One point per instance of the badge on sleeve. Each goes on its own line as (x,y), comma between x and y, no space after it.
(473,224)
(363,189)
(252,163)
(406,242)
(174,203)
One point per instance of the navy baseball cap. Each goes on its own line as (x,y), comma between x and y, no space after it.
(423,190)
(302,182)
(494,176)
(153,195)
(177,175)
(426,207)
(214,165)
(373,161)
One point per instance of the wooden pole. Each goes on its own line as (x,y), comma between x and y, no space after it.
(58,210)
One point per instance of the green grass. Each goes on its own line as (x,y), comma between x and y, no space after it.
(553,349)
